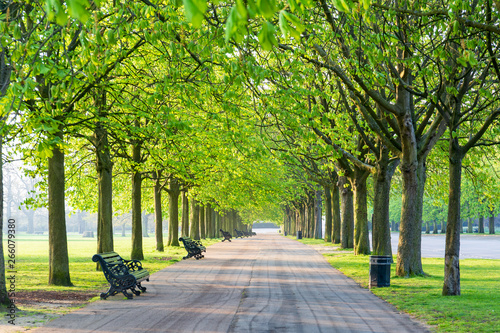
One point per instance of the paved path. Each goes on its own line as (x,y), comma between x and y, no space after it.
(266,283)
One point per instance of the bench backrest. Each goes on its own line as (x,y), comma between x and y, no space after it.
(111,263)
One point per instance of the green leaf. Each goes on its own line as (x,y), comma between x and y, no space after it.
(17,32)
(194,11)
(283,24)
(266,36)
(231,24)
(111,37)
(77,9)
(267,8)
(295,21)
(462,61)
(366,4)
(343,5)
(307,3)
(242,11)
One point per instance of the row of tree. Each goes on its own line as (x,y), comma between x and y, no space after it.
(126,99)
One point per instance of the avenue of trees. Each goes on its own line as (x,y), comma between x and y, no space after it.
(234,112)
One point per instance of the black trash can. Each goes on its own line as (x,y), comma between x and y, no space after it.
(380,271)
(299,234)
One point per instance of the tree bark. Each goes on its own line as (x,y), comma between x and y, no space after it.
(208,222)
(336,219)
(328,214)
(185,214)
(104,167)
(158,212)
(174,190)
(470,228)
(4,295)
(361,235)
(491,225)
(137,252)
(203,227)
(347,209)
(194,228)
(451,284)
(318,214)
(311,221)
(381,227)
(58,244)
(481,225)
(409,260)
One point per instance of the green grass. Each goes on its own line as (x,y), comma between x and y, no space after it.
(476,310)
(32,257)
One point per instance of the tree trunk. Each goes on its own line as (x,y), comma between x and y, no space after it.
(481,225)
(347,209)
(361,235)
(311,221)
(173,212)
(208,222)
(435,227)
(328,214)
(194,228)
(470,228)
(58,244)
(203,227)
(300,222)
(381,227)
(215,222)
(158,213)
(185,214)
(452,248)
(318,213)
(409,260)
(491,224)
(336,219)
(104,167)
(4,296)
(137,252)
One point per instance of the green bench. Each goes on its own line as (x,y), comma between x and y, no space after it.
(194,248)
(227,236)
(121,274)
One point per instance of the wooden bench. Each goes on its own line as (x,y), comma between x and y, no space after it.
(121,274)
(227,236)
(194,248)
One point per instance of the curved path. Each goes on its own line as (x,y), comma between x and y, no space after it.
(266,283)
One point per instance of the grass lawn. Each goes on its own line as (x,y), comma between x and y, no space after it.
(32,271)
(32,257)
(476,310)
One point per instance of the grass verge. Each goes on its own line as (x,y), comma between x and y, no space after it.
(32,257)
(476,310)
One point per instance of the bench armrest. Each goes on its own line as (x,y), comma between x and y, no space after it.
(133,265)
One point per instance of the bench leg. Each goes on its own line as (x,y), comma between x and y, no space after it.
(128,295)
(141,288)
(111,292)
(135,291)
